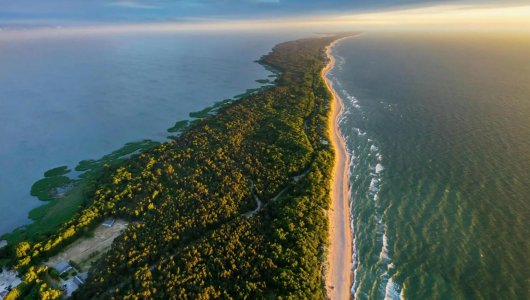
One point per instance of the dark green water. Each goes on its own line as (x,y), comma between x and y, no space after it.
(439,129)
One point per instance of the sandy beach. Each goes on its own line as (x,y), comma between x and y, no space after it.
(339,273)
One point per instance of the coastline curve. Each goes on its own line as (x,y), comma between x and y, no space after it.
(339,277)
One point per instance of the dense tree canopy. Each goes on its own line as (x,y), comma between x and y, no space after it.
(195,231)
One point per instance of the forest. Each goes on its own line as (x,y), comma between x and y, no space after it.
(234,207)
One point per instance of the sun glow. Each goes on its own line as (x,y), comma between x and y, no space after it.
(443,17)
(462,17)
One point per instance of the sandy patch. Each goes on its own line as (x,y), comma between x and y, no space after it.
(82,249)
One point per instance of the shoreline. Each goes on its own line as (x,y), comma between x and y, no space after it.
(339,276)
(234,129)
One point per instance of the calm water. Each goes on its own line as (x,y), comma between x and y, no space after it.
(63,100)
(439,129)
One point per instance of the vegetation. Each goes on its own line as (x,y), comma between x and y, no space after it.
(59,171)
(116,157)
(66,197)
(46,188)
(195,230)
(179,125)
(210,109)
(49,217)
(263,81)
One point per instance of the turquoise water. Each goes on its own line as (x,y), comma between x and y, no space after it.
(66,99)
(438,127)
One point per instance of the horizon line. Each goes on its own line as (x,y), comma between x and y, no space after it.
(436,17)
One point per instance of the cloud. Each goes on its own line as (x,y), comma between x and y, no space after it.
(133,4)
(457,17)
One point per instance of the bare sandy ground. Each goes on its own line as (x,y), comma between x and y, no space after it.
(339,274)
(81,249)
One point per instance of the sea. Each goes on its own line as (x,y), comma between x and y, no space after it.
(438,128)
(437,125)
(66,98)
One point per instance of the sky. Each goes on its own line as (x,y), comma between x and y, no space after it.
(35,11)
(349,14)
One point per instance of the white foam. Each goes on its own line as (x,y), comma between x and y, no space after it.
(374,185)
(359,131)
(339,61)
(392,290)
(383,256)
(354,102)
(352,158)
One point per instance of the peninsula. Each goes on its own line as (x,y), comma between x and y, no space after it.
(239,205)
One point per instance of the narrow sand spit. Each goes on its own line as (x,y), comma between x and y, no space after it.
(339,274)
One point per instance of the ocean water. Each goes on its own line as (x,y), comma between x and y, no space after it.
(66,99)
(438,126)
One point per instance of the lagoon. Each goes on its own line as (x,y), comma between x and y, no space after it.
(63,100)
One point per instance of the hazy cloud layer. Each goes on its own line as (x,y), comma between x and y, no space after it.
(65,12)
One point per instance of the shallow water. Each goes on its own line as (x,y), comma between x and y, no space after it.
(63,100)
(439,131)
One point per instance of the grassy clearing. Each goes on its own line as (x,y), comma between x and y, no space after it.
(60,208)
(49,217)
